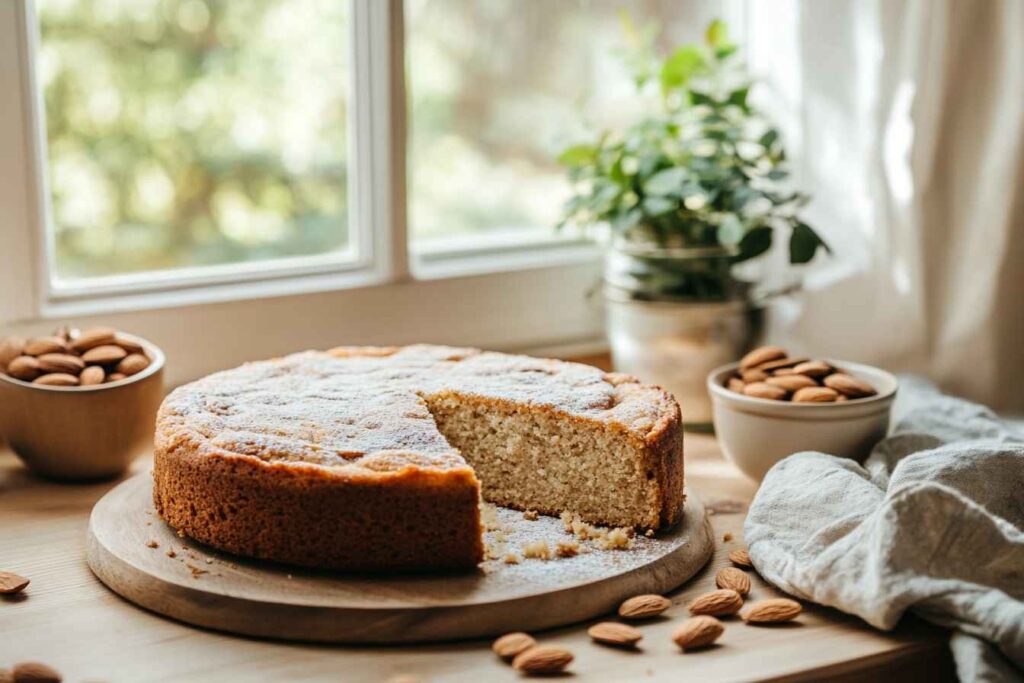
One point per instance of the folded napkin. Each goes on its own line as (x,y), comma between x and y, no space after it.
(932,522)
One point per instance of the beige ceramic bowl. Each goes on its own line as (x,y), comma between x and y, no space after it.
(756,433)
(83,433)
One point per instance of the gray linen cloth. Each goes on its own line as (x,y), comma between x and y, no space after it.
(932,522)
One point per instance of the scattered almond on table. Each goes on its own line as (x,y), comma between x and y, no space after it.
(34,672)
(697,632)
(615,634)
(769,372)
(644,606)
(511,644)
(741,558)
(717,603)
(73,358)
(733,579)
(542,659)
(12,583)
(772,611)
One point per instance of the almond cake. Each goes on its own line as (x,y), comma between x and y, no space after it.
(377,458)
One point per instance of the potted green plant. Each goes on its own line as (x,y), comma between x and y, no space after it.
(682,197)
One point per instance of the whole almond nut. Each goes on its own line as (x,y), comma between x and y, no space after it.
(90,339)
(699,631)
(10,348)
(132,364)
(781,364)
(542,659)
(60,362)
(92,376)
(35,672)
(733,579)
(764,390)
(56,379)
(25,368)
(753,375)
(735,384)
(772,611)
(129,345)
(511,644)
(844,384)
(761,355)
(783,372)
(741,557)
(614,633)
(115,377)
(715,603)
(813,368)
(815,395)
(791,382)
(41,345)
(12,583)
(104,355)
(644,606)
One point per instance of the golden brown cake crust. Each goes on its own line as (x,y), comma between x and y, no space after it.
(333,460)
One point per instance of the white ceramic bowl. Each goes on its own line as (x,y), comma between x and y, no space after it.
(756,433)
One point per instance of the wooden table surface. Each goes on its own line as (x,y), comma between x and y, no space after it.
(69,620)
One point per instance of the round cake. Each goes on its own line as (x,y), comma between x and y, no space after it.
(377,458)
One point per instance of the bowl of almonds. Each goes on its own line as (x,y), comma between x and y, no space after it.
(79,404)
(772,404)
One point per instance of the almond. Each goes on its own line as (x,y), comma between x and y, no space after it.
(115,377)
(722,601)
(697,632)
(25,368)
(35,672)
(129,345)
(781,364)
(840,381)
(614,633)
(132,364)
(56,379)
(813,368)
(12,583)
(733,579)
(542,659)
(511,644)
(92,376)
(735,384)
(783,372)
(791,382)
(104,355)
(772,611)
(41,345)
(60,362)
(815,395)
(10,348)
(741,557)
(761,355)
(764,390)
(90,339)
(644,606)
(754,375)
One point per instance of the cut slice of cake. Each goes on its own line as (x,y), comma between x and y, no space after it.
(373,458)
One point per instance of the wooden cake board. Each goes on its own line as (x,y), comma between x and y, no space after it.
(137,555)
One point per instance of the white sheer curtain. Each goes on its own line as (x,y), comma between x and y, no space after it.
(908,119)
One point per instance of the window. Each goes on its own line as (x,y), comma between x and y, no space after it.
(202,169)
(185,133)
(498,87)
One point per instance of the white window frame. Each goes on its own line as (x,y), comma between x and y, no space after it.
(511,294)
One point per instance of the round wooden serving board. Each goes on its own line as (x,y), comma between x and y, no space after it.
(208,588)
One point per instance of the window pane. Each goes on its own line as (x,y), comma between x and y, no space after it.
(497,87)
(194,132)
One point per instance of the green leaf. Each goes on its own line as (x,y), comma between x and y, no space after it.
(777,174)
(626,221)
(717,34)
(668,181)
(701,98)
(578,155)
(804,243)
(769,138)
(739,97)
(730,231)
(755,243)
(655,206)
(680,67)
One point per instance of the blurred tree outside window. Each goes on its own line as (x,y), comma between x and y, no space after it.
(496,90)
(194,132)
